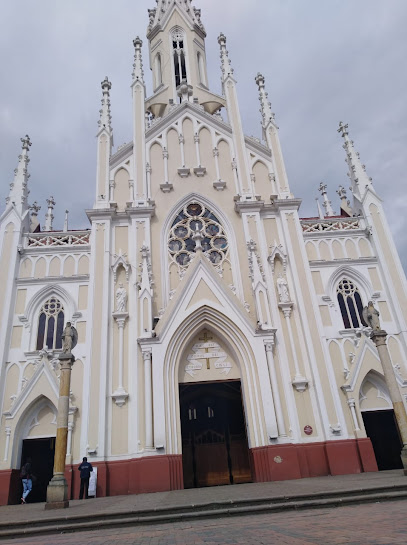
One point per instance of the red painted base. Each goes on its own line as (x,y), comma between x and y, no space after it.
(283,462)
(163,473)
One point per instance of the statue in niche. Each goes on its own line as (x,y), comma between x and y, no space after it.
(282,288)
(371,316)
(121,299)
(69,338)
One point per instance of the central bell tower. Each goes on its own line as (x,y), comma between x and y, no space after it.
(176,39)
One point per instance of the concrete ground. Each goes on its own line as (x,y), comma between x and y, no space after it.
(367,524)
(202,515)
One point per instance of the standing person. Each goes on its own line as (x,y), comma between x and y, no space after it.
(85,468)
(26,479)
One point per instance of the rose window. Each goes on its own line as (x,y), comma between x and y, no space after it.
(193,218)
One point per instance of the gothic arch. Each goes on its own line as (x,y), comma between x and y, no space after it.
(239,348)
(226,225)
(355,276)
(39,298)
(378,381)
(23,426)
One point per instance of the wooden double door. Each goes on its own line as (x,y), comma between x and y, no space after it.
(214,442)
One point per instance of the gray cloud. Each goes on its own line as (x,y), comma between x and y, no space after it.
(323,62)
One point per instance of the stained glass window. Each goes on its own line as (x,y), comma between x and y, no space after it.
(50,325)
(350,304)
(192,218)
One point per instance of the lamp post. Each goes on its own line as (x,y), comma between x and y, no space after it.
(57,490)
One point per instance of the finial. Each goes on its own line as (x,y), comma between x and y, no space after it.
(327,203)
(343,129)
(26,142)
(106,85)
(66,221)
(34,208)
(265,106)
(226,66)
(49,216)
(138,73)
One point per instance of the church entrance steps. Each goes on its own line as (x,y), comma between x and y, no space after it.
(183,505)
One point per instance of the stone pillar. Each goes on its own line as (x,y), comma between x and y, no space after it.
(378,336)
(148,400)
(268,345)
(57,491)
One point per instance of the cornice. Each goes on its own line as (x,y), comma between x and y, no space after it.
(318,263)
(53,279)
(249,206)
(340,233)
(146,211)
(103,214)
(257,146)
(55,250)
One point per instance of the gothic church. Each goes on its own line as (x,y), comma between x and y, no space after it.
(220,335)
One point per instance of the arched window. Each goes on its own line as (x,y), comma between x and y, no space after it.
(350,304)
(158,73)
(181,245)
(180,71)
(50,325)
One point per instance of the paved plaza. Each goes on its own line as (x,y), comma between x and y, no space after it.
(367,524)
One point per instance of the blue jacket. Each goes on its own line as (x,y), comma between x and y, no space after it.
(85,468)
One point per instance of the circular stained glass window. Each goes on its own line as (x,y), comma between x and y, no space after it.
(191,219)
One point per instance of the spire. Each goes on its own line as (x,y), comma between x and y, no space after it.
(105,117)
(158,15)
(138,73)
(320,213)
(34,223)
(327,203)
(18,188)
(265,106)
(345,203)
(49,216)
(226,65)
(357,172)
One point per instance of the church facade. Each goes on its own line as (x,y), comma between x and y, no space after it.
(220,335)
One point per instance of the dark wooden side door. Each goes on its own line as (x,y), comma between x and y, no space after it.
(382,430)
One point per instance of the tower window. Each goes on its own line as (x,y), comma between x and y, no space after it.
(350,303)
(50,325)
(179,57)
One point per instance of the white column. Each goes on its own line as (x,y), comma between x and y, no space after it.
(351,404)
(198,155)
(148,399)
(299,382)
(181,141)
(120,395)
(268,345)
(71,426)
(8,433)
(165,157)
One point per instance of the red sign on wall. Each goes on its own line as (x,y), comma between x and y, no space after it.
(308,430)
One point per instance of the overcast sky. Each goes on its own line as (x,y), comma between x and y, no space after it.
(323,60)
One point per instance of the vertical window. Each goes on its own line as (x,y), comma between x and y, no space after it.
(158,73)
(201,69)
(179,57)
(350,304)
(50,325)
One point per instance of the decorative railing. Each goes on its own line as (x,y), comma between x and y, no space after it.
(75,238)
(337,224)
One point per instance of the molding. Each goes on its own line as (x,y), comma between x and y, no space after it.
(145,210)
(317,263)
(53,280)
(55,250)
(121,154)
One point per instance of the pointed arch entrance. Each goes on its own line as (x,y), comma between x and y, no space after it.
(213,426)
(380,422)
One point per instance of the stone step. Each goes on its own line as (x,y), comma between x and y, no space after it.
(67,523)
